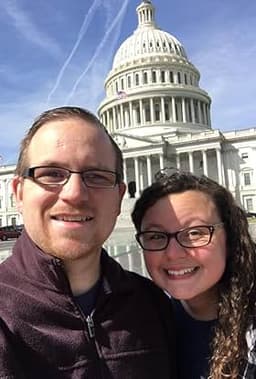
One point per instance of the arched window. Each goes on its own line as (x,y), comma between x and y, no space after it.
(154,76)
(137,79)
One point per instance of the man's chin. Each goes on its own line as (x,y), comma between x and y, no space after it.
(73,250)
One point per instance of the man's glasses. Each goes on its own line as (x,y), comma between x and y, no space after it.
(195,236)
(58,176)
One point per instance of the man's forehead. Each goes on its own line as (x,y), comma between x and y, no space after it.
(73,130)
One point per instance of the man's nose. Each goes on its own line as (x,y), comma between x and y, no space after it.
(75,189)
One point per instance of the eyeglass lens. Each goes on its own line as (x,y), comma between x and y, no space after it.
(60,176)
(190,237)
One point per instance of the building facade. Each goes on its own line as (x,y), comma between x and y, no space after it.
(160,117)
(8,212)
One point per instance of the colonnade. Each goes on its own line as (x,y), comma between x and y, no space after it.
(141,169)
(163,109)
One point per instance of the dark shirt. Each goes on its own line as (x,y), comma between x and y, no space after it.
(193,344)
(87,300)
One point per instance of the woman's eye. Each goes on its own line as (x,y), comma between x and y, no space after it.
(156,236)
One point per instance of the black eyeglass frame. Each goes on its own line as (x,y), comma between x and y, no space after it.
(175,235)
(29,173)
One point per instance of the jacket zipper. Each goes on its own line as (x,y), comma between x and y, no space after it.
(90,326)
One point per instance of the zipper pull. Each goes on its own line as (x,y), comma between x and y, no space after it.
(90,325)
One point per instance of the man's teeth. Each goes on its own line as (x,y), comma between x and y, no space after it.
(74,218)
(181,272)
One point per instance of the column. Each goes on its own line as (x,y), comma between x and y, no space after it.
(152,118)
(219,165)
(108,122)
(163,110)
(131,114)
(205,165)
(126,117)
(191,161)
(141,174)
(199,111)
(205,115)
(208,114)
(184,118)
(192,110)
(137,177)
(149,170)
(178,161)
(121,116)
(174,118)
(114,119)
(161,161)
(141,112)
(125,178)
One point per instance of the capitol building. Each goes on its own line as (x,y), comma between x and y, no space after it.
(160,117)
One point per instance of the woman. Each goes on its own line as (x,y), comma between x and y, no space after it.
(197,248)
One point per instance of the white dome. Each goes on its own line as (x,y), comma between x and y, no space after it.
(147,40)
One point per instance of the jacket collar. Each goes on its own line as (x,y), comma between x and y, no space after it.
(47,271)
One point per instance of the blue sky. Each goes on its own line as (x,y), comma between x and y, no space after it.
(59,52)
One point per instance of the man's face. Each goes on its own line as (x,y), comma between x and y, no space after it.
(73,221)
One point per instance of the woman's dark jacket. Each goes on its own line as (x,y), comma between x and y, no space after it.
(44,334)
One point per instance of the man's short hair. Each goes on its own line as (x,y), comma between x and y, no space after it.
(60,114)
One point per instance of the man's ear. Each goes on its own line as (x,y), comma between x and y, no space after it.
(17,189)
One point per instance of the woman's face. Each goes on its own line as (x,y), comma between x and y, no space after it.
(186,273)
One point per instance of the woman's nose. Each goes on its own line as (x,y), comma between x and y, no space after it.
(174,249)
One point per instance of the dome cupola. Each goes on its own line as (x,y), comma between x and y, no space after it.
(147,40)
(152,86)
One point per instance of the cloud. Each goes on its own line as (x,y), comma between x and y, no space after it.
(28,29)
(82,32)
(116,20)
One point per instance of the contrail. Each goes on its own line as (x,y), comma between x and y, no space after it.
(82,31)
(113,24)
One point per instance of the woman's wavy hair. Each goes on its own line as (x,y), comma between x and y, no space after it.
(237,287)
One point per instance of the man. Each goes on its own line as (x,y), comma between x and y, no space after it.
(68,310)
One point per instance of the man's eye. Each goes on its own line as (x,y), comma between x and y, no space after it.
(97,178)
(52,173)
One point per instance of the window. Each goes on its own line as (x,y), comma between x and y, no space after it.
(147,113)
(136,79)
(129,82)
(157,112)
(12,201)
(171,76)
(249,204)
(138,115)
(145,78)
(162,76)
(166,112)
(247,179)
(179,77)
(153,76)
(244,155)
(185,79)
